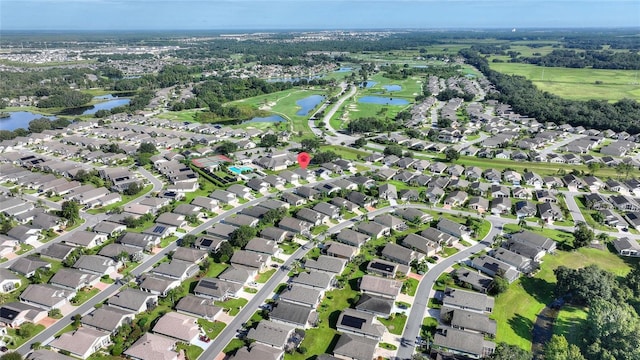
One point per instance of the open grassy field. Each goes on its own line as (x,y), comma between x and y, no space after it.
(569,323)
(283,103)
(515,310)
(578,84)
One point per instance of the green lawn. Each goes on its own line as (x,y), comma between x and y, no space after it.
(233,345)
(429,326)
(265,276)
(192,352)
(515,310)
(577,84)
(232,305)
(395,323)
(410,286)
(346,152)
(283,103)
(317,230)
(569,323)
(212,329)
(289,247)
(17,341)
(84,295)
(448,251)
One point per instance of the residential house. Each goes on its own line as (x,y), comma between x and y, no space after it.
(216,289)
(452,228)
(378,286)
(627,247)
(46,296)
(133,300)
(82,342)
(352,321)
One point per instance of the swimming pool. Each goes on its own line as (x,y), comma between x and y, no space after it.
(240,169)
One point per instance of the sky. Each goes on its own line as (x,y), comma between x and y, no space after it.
(314,14)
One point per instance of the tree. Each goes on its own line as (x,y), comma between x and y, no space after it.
(510,352)
(612,331)
(393,149)
(147,148)
(593,167)
(224,253)
(451,155)
(310,144)
(583,235)
(324,157)
(226,148)
(557,348)
(597,217)
(70,210)
(586,285)
(499,284)
(624,167)
(188,241)
(360,142)
(133,189)
(39,125)
(269,141)
(241,236)
(11,356)
(26,330)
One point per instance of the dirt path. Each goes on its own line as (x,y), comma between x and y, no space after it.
(542,330)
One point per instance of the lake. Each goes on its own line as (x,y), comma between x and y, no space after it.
(20,119)
(343,69)
(368,84)
(309,103)
(272,118)
(392,87)
(382,100)
(112,102)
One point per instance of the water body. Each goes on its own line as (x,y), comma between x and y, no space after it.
(392,87)
(112,102)
(272,118)
(382,100)
(344,69)
(368,84)
(420,66)
(309,103)
(20,119)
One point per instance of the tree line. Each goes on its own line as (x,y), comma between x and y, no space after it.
(528,100)
(605,59)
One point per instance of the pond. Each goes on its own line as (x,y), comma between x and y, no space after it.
(382,100)
(392,87)
(368,84)
(20,119)
(309,103)
(112,102)
(272,118)
(343,69)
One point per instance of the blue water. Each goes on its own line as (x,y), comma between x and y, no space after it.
(105,97)
(107,105)
(239,169)
(420,66)
(344,69)
(369,84)
(382,100)
(309,103)
(272,118)
(20,119)
(392,87)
